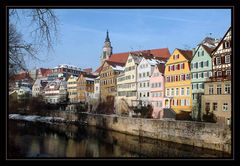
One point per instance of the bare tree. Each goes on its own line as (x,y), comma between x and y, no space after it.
(43,23)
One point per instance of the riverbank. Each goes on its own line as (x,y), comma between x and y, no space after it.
(205,135)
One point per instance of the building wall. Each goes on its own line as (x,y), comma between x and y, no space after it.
(199,75)
(127,82)
(157,93)
(185,84)
(219,99)
(144,72)
(72,89)
(108,83)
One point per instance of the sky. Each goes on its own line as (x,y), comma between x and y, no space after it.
(82,32)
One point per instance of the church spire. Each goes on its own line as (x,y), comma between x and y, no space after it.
(107,38)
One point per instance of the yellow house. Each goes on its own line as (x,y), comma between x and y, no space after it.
(178,87)
(72,89)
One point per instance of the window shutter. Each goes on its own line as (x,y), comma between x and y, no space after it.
(215,59)
(183,77)
(168,68)
(183,65)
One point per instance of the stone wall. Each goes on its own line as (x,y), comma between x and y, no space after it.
(205,135)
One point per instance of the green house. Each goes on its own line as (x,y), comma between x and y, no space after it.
(201,70)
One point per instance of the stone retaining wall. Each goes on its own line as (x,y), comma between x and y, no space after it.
(206,135)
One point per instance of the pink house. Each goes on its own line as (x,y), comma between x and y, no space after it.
(157,91)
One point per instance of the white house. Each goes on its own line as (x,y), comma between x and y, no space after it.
(55,91)
(145,70)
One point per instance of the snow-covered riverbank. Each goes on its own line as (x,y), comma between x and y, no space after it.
(36,118)
(45,119)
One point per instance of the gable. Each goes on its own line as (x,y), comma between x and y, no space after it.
(176,57)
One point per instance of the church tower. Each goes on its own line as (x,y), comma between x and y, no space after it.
(107,49)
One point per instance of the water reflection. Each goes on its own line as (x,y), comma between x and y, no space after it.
(28,139)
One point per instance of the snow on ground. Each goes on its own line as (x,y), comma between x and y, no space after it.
(34,118)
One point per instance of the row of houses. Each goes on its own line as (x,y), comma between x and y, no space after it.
(196,81)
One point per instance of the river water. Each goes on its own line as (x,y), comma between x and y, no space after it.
(35,139)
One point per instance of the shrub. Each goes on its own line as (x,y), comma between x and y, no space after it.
(210,117)
(183,116)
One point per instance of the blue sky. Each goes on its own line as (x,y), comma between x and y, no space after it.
(82,32)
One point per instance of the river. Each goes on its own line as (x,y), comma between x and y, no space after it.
(36,139)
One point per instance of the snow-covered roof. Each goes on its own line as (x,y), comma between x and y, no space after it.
(153,61)
(67,66)
(89,79)
(118,68)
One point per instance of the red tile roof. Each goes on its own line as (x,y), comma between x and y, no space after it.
(21,76)
(161,68)
(45,72)
(186,53)
(162,53)
(87,70)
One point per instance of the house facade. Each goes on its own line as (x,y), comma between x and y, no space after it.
(56,91)
(85,86)
(178,81)
(144,70)
(217,93)
(201,70)
(127,81)
(72,89)
(38,86)
(108,79)
(157,91)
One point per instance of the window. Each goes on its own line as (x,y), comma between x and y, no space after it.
(140,94)
(210,74)
(227,89)
(202,53)
(228,72)
(226,44)
(201,86)
(214,106)
(140,75)
(227,59)
(143,74)
(206,64)
(152,85)
(182,91)
(172,92)
(187,76)
(225,107)
(177,91)
(210,89)
(196,65)
(198,54)
(194,75)
(182,102)
(219,73)
(218,60)
(207,107)
(140,85)
(187,102)
(147,94)
(188,91)
(205,74)
(199,75)
(167,92)
(147,73)
(201,64)
(219,89)
(182,65)
(148,84)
